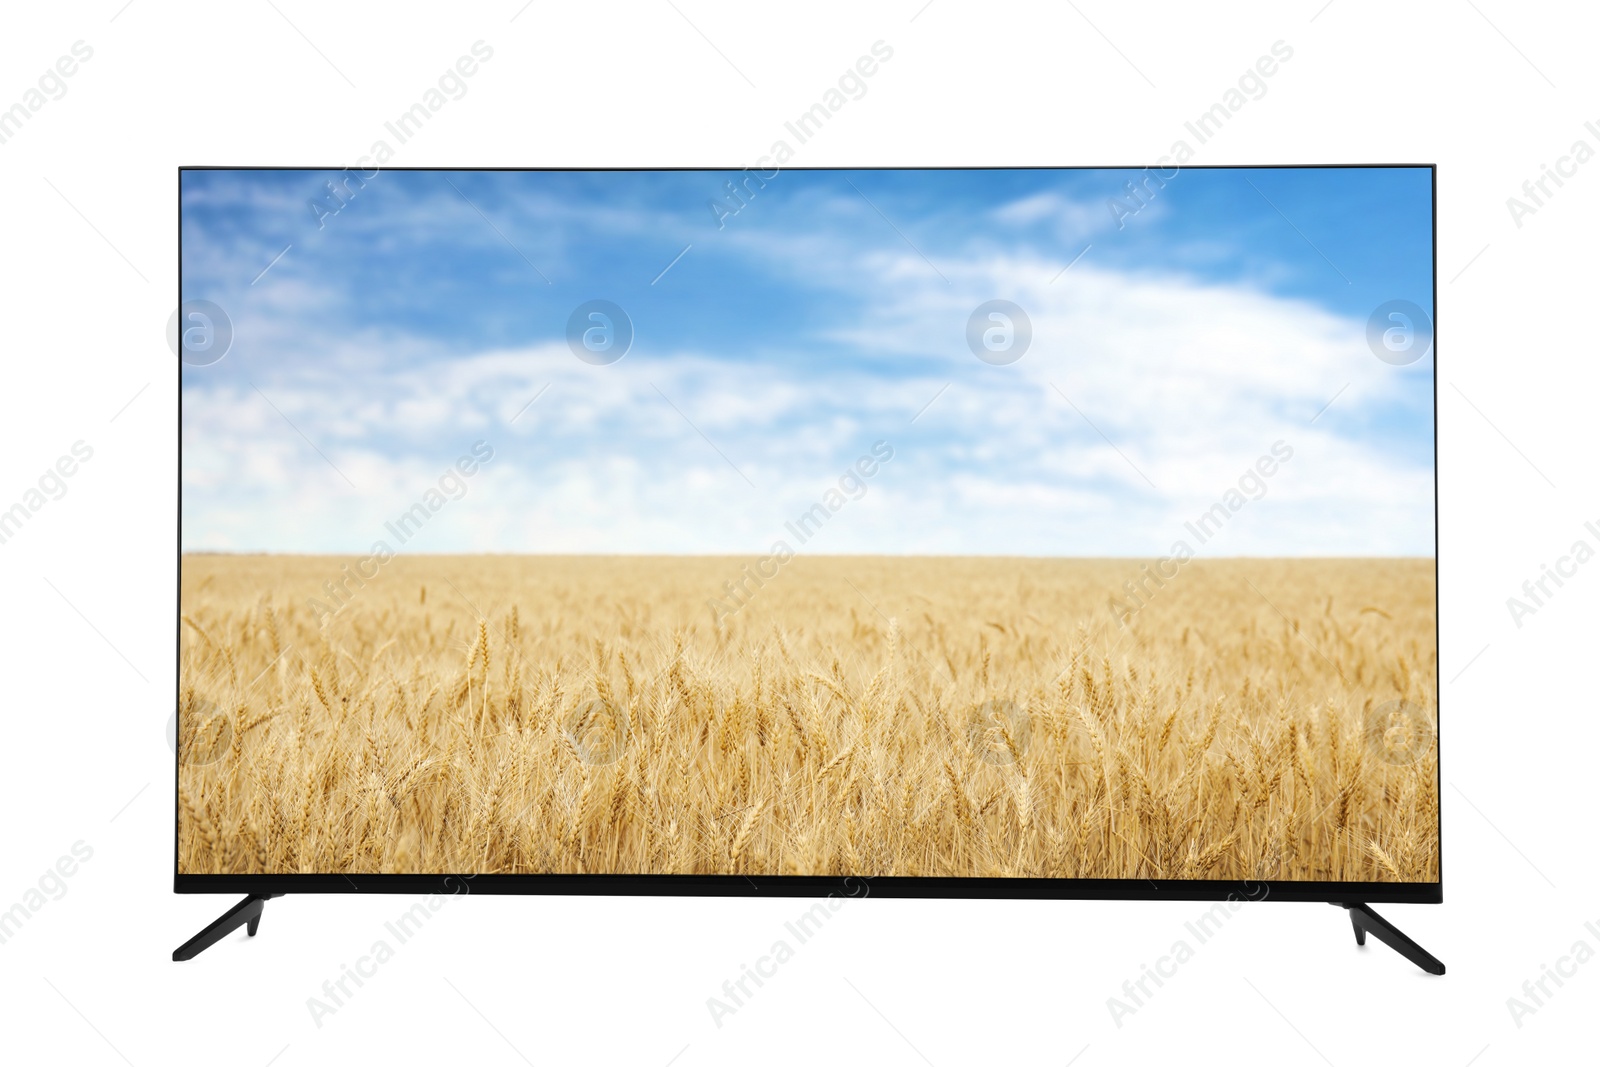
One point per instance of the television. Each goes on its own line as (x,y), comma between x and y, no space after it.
(1023,532)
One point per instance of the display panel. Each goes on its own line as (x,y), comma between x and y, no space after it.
(1023,524)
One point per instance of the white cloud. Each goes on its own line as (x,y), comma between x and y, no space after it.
(1188,382)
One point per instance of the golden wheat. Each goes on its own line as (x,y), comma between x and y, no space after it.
(870,716)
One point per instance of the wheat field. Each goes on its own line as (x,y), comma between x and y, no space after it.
(871,716)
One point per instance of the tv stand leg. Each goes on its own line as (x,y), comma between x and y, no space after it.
(1364,920)
(246,913)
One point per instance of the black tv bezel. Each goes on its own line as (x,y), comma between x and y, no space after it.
(733,885)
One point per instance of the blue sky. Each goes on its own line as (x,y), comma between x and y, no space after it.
(820,317)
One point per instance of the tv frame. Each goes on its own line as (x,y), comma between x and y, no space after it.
(1352,895)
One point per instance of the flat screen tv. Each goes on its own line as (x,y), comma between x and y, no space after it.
(1014,532)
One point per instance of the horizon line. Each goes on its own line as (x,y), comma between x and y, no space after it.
(797,555)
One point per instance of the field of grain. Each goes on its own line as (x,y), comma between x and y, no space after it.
(858,715)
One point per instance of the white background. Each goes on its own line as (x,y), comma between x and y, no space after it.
(1489,90)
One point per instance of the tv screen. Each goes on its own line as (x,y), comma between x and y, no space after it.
(1019,531)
